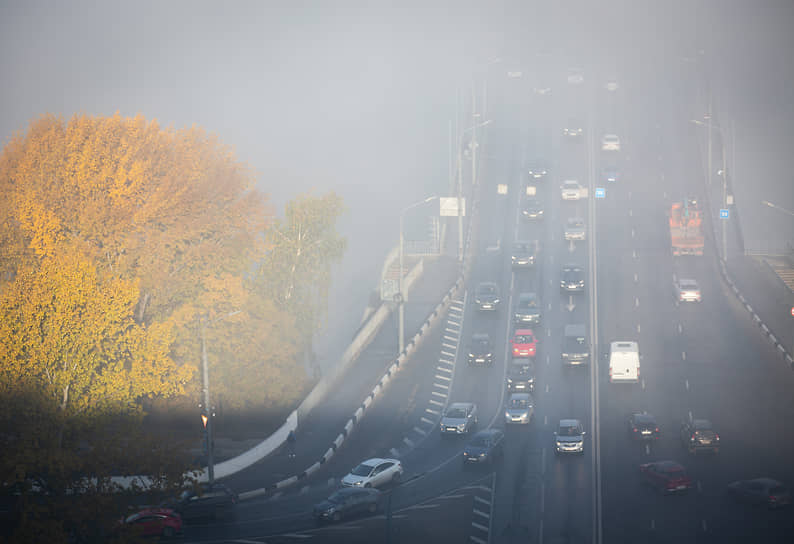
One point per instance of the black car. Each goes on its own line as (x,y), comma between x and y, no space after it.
(206,501)
(699,435)
(486,296)
(521,376)
(573,129)
(533,208)
(346,502)
(524,254)
(572,279)
(610,174)
(765,491)
(575,348)
(537,170)
(527,309)
(643,426)
(481,350)
(484,447)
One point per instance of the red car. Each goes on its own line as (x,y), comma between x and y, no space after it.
(666,476)
(524,343)
(154,521)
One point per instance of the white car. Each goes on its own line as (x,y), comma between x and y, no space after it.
(574,229)
(569,437)
(542,91)
(374,472)
(519,408)
(610,142)
(571,190)
(575,76)
(611,85)
(687,290)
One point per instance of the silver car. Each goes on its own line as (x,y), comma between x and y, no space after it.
(571,190)
(687,291)
(459,418)
(574,229)
(519,409)
(569,437)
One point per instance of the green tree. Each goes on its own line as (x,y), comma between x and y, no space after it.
(303,246)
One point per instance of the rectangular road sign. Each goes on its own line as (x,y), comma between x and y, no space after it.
(723,214)
(449,207)
(600,192)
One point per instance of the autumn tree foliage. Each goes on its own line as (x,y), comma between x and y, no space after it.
(122,244)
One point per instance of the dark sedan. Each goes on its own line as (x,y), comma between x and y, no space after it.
(484,447)
(699,435)
(207,501)
(486,296)
(764,491)
(347,502)
(666,476)
(533,209)
(643,426)
(521,376)
(480,350)
(572,280)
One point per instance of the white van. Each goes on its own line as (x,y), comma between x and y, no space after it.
(624,361)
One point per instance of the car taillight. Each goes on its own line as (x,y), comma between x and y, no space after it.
(716,437)
(657,429)
(692,438)
(635,429)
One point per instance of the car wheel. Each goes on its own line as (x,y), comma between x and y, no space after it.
(168,532)
(337,516)
(367,484)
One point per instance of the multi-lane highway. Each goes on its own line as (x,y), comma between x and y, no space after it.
(699,360)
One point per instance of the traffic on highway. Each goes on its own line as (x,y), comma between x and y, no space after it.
(594,382)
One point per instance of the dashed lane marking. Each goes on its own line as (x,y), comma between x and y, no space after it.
(441,385)
(450,338)
(443,369)
(445,378)
(436,393)
(433,401)
(477,498)
(408,442)
(448,354)
(421,431)
(435,412)
(480,513)
(423,419)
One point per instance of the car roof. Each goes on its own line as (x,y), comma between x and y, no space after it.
(569,181)
(524,332)
(702,424)
(460,405)
(571,267)
(478,336)
(667,466)
(642,416)
(519,396)
(150,512)
(687,281)
(527,296)
(569,422)
(487,433)
(374,461)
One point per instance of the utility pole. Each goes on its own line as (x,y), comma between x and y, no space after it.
(474,136)
(708,178)
(724,199)
(207,408)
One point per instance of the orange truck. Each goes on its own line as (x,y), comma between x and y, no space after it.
(686,228)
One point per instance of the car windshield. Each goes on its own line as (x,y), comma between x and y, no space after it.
(575,223)
(480,344)
(523,339)
(456,412)
(571,185)
(487,289)
(518,403)
(479,442)
(362,470)
(337,497)
(702,425)
(521,247)
(569,431)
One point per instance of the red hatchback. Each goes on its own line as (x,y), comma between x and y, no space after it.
(524,343)
(155,521)
(666,476)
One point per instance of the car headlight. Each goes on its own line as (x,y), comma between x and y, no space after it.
(483,454)
(471,355)
(496,301)
(461,426)
(564,354)
(477,301)
(507,414)
(489,354)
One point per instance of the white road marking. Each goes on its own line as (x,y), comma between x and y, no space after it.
(653,524)
(450,338)
(680,328)
(423,419)
(683,355)
(442,369)
(548,333)
(631,213)
(643,384)
(543,461)
(638,327)
(542,497)
(636,278)
(445,378)
(547,388)
(647,449)
(442,386)
(420,431)
(545,420)
(432,411)
(479,526)
(480,513)
(703,524)
(636,302)
(436,393)
(632,235)
(686,383)
(634,253)
(436,402)
(448,354)
(477,498)
(690,415)
(700,487)
(420,507)
(409,442)
(394,453)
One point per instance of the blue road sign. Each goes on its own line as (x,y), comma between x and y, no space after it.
(600,192)
(723,214)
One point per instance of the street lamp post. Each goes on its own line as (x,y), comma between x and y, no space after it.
(710,126)
(401,293)
(460,175)
(208,409)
